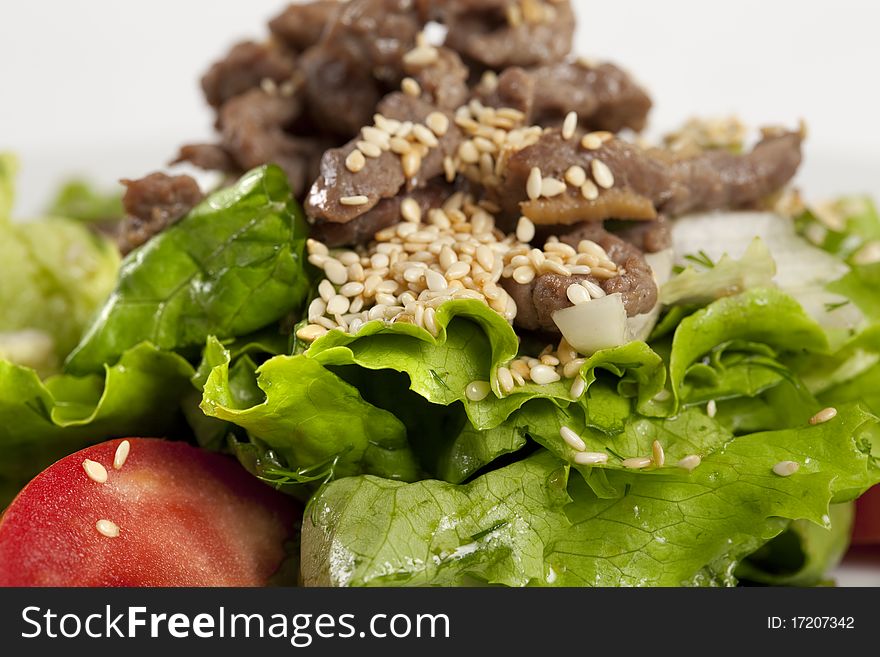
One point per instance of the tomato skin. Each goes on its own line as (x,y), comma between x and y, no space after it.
(866,530)
(186,517)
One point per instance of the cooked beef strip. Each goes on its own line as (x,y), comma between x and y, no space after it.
(210,157)
(445,82)
(537,301)
(604,96)
(361,230)
(481,31)
(647,181)
(647,236)
(301,26)
(253,130)
(245,67)
(152,204)
(382,177)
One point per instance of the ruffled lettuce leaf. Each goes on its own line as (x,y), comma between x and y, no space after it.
(861,286)
(230,267)
(80,200)
(44,421)
(54,274)
(803,554)
(311,418)
(530,524)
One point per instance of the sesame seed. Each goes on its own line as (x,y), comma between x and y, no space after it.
(355,162)
(338,305)
(369,149)
(107,528)
(824,415)
(326,290)
(425,136)
(269,86)
(436,281)
(636,463)
(430,321)
(421,56)
(573,440)
(551,187)
(354,200)
(711,408)
(525,230)
(592,141)
(553,267)
(311,332)
(457,270)
(571,368)
(590,458)
(485,257)
(336,272)
(658,455)
(505,379)
(602,174)
(534,185)
(438,123)
(410,210)
(477,390)
(351,290)
(449,169)
(543,374)
(317,308)
(689,462)
(95,471)
(400,146)
(468,152)
(316,247)
(411,163)
(594,290)
(786,468)
(578,387)
(121,455)
(577,294)
(569,126)
(411,87)
(576,176)
(373,135)
(589,191)
(523,275)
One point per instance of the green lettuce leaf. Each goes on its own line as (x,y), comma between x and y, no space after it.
(310,417)
(528,523)
(232,266)
(79,200)
(803,554)
(861,286)
(44,421)
(8,170)
(728,276)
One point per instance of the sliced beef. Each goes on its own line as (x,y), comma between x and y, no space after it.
(386,213)
(300,26)
(515,88)
(604,96)
(154,203)
(245,67)
(253,128)
(646,182)
(502,33)
(647,236)
(341,93)
(210,157)
(382,177)
(537,301)
(444,82)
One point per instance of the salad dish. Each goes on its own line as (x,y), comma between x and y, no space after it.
(440,316)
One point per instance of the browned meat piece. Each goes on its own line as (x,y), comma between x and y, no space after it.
(647,236)
(382,177)
(537,301)
(386,213)
(253,131)
(515,88)
(604,96)
(246,65)
(341,94)
(444,82)
(300,26)
(634,183)
(209,157)
(154,203)
(502,33)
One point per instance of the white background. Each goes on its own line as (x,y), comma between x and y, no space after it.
(109,87)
